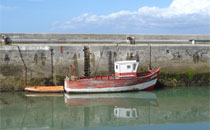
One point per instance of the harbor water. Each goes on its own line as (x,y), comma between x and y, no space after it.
(174,108)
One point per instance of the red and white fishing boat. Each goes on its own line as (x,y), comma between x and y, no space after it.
(125,78)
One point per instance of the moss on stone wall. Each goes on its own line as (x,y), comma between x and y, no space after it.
(40,81)
(189,78)
(60,80)
(18,83)
(190,74)
(11,84)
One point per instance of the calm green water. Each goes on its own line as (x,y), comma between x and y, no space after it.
(181,108)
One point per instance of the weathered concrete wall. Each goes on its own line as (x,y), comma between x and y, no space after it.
(43,59)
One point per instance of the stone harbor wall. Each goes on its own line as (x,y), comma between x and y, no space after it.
(44,59)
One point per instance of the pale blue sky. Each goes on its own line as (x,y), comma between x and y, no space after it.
(104,16)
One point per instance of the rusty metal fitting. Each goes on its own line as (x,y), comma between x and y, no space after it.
(131,40)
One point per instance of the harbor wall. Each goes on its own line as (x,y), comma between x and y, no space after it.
(44,59)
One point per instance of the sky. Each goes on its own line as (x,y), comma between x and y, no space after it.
(105,16)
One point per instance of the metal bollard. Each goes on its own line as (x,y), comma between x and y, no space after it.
(130,40)
(4,40)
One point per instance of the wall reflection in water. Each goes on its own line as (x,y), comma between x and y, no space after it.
(70,111)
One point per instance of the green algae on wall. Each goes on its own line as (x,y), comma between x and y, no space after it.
(11,83)
(190,74)
(60,79)
(189,78)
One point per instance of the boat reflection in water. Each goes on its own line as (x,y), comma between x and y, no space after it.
(135,110)
(112,99)
(115,109)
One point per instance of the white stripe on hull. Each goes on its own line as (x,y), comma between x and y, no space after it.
(113,89)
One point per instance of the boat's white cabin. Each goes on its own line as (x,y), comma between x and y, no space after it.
(125,112)
(126,68)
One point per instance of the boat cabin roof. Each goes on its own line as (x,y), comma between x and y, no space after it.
(126,62)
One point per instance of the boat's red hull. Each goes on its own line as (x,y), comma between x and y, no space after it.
(142,81)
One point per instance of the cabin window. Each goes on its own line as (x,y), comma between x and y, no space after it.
(134,67)
(128,113)
(133,114)
(116,67)
(128,66)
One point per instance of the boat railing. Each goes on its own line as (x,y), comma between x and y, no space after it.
(151,73)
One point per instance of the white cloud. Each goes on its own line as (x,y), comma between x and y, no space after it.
(190,6)
(182,16)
